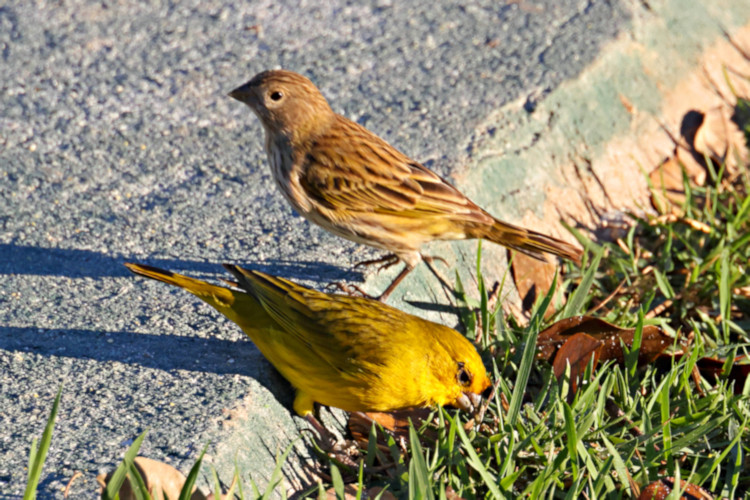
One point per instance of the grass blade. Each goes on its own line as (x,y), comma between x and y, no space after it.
(578,297)
(39,455)
(187,488)
(115,482)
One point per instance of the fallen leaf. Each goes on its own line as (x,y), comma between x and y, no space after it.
(668,191)
(660,489)
(720,139)
(712,369)
(161,480)
(576,351)
(396,423)
(533,278)
(450,494)
(694,168)
(611,337)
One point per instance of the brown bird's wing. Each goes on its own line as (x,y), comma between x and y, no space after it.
(353,170)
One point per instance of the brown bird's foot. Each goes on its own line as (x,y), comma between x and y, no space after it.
(348,289)
(428,260)
(383,263)
(344,451)
(432,258)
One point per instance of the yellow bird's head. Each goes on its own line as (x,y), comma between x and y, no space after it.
(461,372)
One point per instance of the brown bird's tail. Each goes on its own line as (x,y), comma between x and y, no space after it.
(526,241)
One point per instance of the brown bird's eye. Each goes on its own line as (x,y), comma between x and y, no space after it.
(463,376)
(276,96)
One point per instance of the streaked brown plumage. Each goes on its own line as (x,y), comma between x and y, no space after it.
(343,177)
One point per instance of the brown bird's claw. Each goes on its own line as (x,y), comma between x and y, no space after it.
(428,260)
(383,263)
(350,290)
(432,258)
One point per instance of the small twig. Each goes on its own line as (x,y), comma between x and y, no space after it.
(615,412)
(662,307)
(697,225)
(482,409)
(609,297)
(70,483)
(623,246)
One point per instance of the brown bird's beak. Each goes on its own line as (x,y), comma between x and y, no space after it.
(468,402)
(242,93)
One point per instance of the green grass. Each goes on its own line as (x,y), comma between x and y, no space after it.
(626,426)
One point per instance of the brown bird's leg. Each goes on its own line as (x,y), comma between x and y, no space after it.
(383,263)
(428,260)
(398,279)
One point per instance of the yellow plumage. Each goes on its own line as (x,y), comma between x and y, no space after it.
(352,353)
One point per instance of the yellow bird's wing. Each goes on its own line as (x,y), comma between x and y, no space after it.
(335,330)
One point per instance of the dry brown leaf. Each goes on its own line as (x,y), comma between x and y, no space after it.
(660,489)
(695,170)
(611,337)
(667,193)
(162,481)
(577,351)
(450,494)
(533,279)
(350,493)
(720,139)
(397,423)
(712,368)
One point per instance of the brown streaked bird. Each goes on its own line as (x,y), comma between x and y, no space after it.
(341,176)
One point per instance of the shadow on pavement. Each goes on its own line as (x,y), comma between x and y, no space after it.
(78,263)
(164,352)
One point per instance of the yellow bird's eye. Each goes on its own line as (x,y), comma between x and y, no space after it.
(276,95)
(463,376)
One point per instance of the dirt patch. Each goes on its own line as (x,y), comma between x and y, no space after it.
(642,170)
(616,180)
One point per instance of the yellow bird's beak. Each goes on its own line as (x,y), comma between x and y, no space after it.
(468,402)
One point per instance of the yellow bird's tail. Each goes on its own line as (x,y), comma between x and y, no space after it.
(526,241)
(237,306)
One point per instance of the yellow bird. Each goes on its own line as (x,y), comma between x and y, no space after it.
(352,353)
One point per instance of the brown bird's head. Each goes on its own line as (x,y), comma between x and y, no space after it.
(286,103)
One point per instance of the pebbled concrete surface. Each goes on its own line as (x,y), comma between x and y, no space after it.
(117,142)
